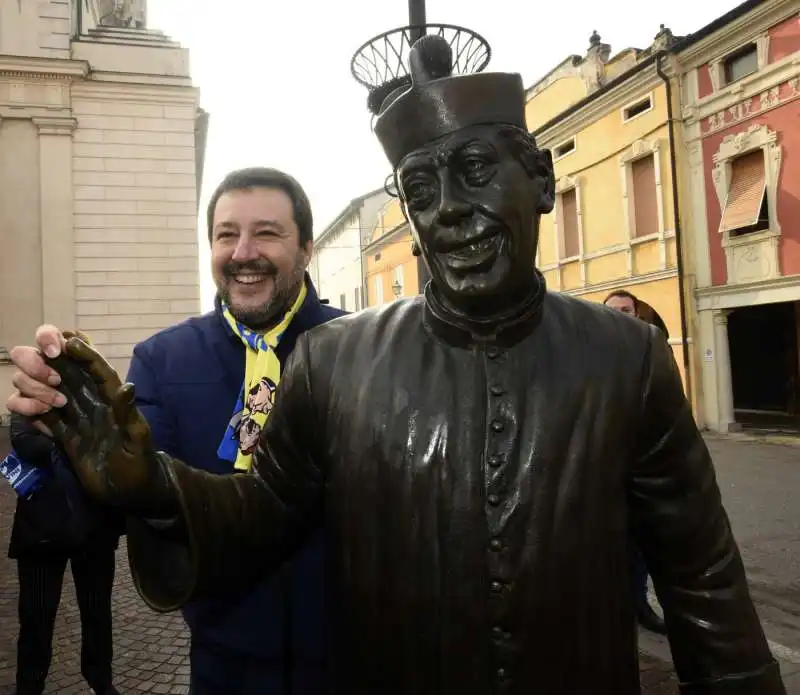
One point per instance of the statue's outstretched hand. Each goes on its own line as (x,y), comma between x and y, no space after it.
(105,436)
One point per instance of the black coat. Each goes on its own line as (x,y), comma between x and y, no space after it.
(478,498)
(58,519)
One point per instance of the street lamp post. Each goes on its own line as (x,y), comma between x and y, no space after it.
(397,288)
(416,18)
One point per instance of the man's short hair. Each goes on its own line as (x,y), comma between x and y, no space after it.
(643,310)
(626,295)
(262,177)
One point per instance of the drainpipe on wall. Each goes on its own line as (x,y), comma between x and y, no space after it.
(362,290)
(678,231)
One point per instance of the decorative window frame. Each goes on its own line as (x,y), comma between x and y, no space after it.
(716,68)
(564,185)
(756,137)
(558,158)
(639,150)
(638,100)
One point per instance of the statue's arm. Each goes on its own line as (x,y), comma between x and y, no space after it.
(231,530)
(718,645)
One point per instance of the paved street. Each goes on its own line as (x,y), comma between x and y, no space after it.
(758,482)
(151,650)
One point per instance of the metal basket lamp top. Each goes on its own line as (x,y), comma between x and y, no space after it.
(381,64)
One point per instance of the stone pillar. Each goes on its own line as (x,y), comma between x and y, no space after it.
(57,225)
(727,419)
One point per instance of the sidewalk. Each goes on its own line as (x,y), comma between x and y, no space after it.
(781,438)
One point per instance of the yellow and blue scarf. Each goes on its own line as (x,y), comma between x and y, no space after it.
(261,376)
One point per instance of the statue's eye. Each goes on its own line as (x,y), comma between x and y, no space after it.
(476,170)
(474,164)
(419,191)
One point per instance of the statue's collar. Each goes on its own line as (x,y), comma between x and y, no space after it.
(504,330)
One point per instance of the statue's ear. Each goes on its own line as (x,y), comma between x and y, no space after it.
(547,198)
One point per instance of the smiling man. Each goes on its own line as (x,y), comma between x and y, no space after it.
(479,455)
(193,385)
(197,386)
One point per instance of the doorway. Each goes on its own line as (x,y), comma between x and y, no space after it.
(765,366)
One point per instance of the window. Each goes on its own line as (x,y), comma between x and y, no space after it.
(564,149)
(637,109)
(378,290)
(740,64)
(645,202)
(746,209)
(642,194)
(357,298)
(569,224)
(343,302)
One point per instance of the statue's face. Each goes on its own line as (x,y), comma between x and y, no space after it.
(474,210)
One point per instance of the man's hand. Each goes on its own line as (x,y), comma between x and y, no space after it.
(34,381)
(104,435)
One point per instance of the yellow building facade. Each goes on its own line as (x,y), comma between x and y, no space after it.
(390,268)
(606,122)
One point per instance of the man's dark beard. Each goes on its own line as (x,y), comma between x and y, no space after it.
(286,288)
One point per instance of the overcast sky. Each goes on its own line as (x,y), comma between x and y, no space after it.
(275,75)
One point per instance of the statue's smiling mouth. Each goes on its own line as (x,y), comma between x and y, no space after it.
(472,254)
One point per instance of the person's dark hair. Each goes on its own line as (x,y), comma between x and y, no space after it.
(643,310)
(625,295)
(262,177)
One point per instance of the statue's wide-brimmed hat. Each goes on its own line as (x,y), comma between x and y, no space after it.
(432,102)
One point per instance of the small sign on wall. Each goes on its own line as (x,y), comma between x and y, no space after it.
(709,356)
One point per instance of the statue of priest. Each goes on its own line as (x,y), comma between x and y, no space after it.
(479,455)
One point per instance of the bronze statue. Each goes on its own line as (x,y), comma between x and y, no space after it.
(478,455)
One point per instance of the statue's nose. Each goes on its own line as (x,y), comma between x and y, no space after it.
(452,206)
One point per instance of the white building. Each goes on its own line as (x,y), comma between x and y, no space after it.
(336,265)
(101,149)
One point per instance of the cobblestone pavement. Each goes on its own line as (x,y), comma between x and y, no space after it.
(151,650)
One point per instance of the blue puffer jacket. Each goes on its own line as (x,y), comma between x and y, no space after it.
(188,378)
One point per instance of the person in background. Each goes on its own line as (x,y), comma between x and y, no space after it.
(54,525)
(628,303)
